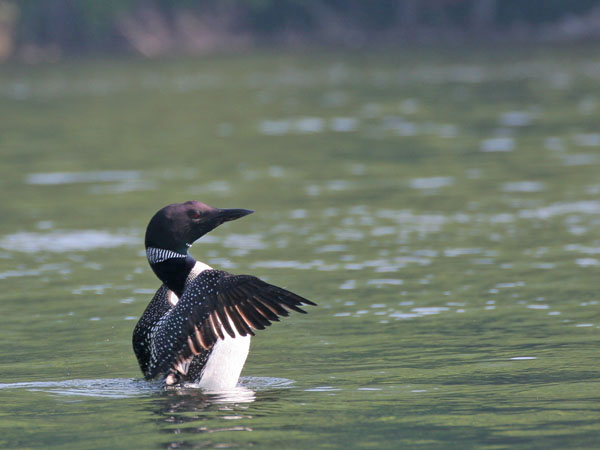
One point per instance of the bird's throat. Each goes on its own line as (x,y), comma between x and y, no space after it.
(174,272)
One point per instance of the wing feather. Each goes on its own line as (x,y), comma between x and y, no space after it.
(200,338)
(273,306)
(238,322)
(237,305)
(263,310)
(224,318)
(257,321)
(215,324)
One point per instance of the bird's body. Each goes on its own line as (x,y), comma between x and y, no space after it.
(197,327)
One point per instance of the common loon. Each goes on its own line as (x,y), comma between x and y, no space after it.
(197,327)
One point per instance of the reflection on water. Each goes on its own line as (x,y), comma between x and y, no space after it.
(184,412)
(184,415)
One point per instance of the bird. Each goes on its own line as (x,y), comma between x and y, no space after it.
(198,325)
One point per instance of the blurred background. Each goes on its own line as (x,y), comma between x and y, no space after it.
(427,171)
(33,30)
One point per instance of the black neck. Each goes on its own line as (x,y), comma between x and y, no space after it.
(173,272)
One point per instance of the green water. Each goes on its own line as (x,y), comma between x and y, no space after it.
(441,208)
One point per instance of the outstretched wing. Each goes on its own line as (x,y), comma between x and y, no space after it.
(216,303)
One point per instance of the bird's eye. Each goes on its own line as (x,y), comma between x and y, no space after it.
(194,214)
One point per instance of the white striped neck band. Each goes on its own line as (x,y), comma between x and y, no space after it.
(158,255)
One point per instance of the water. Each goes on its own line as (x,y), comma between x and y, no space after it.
(442,210)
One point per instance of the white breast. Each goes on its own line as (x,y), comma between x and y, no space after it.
(225,363)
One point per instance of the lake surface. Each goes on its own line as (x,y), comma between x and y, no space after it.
(442,208)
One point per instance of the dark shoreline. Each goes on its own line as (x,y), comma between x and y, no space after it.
(56,29)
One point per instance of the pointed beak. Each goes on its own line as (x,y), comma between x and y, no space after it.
(232,214)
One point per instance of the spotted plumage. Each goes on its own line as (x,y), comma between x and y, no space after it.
(197,326)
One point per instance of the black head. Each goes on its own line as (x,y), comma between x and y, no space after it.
(177,226)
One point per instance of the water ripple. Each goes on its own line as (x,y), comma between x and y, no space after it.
(556,209)
(523,186)
(60,241)
(117,388)
(498,144)
(431,182)
(56,178)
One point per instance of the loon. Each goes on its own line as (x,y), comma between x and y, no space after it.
(197,327)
